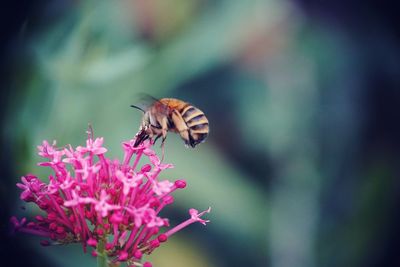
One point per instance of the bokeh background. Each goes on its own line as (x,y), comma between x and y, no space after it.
(301,166)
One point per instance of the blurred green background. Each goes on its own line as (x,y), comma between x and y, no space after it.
(302,161)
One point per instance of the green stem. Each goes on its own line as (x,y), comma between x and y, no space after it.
(101,254)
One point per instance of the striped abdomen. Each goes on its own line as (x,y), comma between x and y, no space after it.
(197,124)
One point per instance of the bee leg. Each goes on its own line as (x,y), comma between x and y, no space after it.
(162,144)
(181,126)
(155,139)
(162,140)
(163,150)
(164,129)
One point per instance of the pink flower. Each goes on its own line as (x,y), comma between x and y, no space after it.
(88,169)
(32,187)
(162,187)
(102,206)
(94,147)
(17,224)
(195,216)
(93,200)
(92,242)
(46,150)
(129,182)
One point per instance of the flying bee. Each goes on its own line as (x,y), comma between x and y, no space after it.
(174,115)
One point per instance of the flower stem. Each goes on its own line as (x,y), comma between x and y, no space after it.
(101,254)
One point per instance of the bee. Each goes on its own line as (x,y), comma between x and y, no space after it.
(172,115)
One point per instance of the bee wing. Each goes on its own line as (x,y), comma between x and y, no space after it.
(145,101)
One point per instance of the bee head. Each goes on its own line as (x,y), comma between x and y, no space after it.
(141,136)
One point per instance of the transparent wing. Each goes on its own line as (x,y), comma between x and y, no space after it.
(145,102)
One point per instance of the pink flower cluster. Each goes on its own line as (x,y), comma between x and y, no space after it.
(94,200)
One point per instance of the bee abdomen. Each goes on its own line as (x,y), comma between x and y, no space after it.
(190,112)
(197,123)
(194,118)
(200,128)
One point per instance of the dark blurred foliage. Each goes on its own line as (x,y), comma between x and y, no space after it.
(374,33)
(334,181)
(13,16)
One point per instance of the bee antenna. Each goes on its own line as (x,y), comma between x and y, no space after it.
(133,106)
